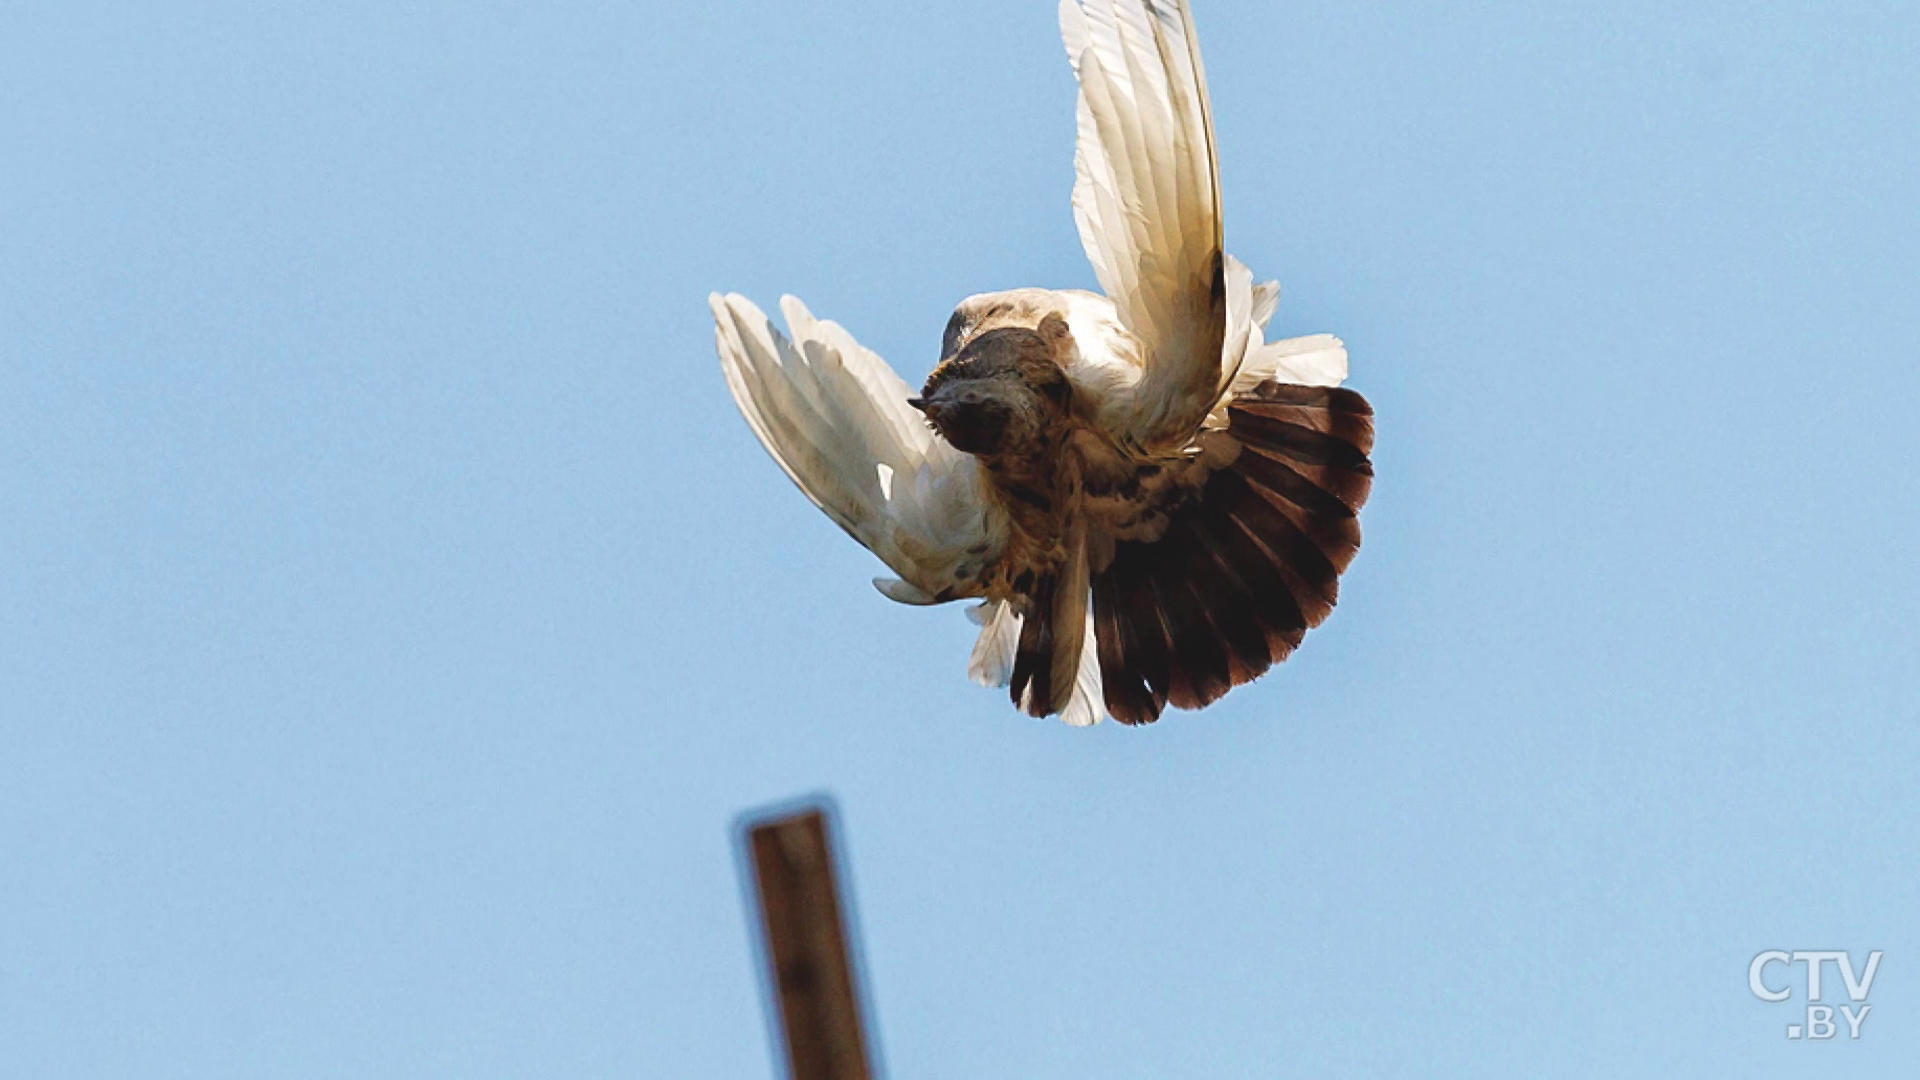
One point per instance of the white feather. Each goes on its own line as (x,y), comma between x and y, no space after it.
(992,661)
(1146,198)
(901,592)
(1316,360)
(1266,299)
(836,419)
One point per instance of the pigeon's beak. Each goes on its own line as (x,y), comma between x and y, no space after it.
(931,410)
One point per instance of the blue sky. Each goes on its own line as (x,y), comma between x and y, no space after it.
(396,613)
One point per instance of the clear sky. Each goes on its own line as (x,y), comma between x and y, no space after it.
(395,613)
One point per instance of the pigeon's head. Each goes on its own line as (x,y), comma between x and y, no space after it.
(1004,393)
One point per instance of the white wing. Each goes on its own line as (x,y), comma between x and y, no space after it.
(836,418)
(1146,197)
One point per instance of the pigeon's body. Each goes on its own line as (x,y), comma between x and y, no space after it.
(1152,503)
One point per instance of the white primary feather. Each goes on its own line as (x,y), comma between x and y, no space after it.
(836,419)
(1147,201)
(1146,197)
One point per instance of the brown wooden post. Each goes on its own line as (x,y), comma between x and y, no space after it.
(806,947)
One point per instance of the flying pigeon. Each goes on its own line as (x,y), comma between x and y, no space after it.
(1150,501)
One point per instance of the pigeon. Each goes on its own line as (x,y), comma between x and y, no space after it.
(1150,502)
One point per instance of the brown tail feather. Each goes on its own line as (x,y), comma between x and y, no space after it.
(1326,432)
(1249,652)
(1032,680)
(1200,672)
(1130,637)
(1052,635)
(1243,572)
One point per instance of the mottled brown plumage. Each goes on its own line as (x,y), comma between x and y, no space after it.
(1004,398)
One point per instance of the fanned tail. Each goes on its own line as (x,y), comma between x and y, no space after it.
(1243,572)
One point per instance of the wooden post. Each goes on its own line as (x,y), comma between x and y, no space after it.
(806,947)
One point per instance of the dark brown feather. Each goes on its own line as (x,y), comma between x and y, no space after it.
(1325,432)
(1132,642)
(1198,673)
(1128,699)
(1243,570)
(1267,587)
(1033,656)
(1238,627)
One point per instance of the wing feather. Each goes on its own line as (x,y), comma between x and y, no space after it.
(836,419)
(1147,202)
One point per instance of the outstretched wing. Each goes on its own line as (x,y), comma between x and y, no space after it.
(836,418)
(1146,197)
